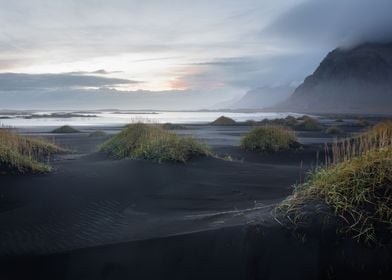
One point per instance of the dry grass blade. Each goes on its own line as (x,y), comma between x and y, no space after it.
(22,154)
(356,182)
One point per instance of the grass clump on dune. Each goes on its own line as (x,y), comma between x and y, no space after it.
(20,154)
(65,129)
(269,139)
(361,122)
(333,130)
(151,142)
(97,134)
(309,124)
(356,184)
(172,126)
(222,120)
(289,121)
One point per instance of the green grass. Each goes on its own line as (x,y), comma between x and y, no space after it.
(19,154)
(250,122)
(222,120)
(309,124)
(333,130)
(151,142)
(172,126)
(65,129)
(97,134)
(269,139)
(289,121)
(362,123)
(356,183)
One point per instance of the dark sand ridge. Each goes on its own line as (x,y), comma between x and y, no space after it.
(136,218)
(92,200)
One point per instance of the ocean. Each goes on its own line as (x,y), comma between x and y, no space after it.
(118,118)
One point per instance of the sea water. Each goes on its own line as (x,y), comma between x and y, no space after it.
(118,118)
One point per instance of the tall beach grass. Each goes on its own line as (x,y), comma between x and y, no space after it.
(356,183)
(21,154)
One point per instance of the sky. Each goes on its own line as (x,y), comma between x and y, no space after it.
(215,50)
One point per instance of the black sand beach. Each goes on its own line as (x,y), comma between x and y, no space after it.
(99,218)
(196,140)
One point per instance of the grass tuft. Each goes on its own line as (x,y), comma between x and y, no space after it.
(362,123)
(309,124)
(20,154)
(289,121)
(97,134)
(172,126)
(151,142)
(356,183)
(269,139)
(65,129)
(333,130)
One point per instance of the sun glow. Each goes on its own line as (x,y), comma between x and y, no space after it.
(148,71)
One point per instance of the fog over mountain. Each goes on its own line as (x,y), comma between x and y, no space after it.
(264,97)
(355,80)
(173,54)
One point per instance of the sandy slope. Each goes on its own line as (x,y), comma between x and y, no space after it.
(98,218)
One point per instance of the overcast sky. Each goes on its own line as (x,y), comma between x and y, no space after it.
(177,45)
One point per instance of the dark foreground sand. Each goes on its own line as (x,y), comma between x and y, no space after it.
(98,218)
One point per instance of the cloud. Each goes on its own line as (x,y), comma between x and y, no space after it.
(8,63)
(98,72)
(247,72)
(202,45)
(292,44)
(53,36)
(21,81)
(332,23)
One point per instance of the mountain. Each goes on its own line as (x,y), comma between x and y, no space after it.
(356,80)
(263,97)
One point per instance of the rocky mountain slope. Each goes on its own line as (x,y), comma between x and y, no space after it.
(356,80)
